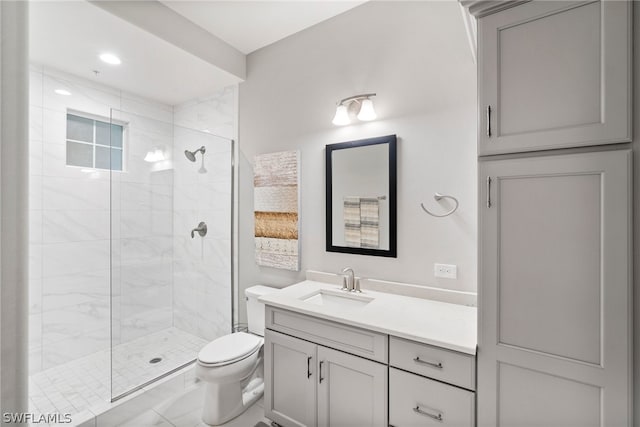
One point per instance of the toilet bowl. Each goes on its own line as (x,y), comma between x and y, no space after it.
(232,366)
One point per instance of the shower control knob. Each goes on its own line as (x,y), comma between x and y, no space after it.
(201,229)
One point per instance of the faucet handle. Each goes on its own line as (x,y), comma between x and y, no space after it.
(344,283)
(356,285)
(201,229)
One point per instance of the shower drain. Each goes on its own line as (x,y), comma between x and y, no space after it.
(155,360)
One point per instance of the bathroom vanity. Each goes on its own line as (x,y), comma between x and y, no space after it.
(374,358)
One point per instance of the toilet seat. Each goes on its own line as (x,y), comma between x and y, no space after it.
(229,349)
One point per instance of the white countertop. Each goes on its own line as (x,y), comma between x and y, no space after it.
(441,324)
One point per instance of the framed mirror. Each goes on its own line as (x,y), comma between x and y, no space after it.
(361,197)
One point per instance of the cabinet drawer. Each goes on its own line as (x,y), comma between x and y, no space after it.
(434,362)
(361,342)
(418,401)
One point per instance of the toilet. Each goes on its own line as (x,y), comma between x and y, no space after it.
(231,366)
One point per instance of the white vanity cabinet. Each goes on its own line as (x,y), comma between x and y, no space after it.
(324,373)
(554,74)
(308,384)
(437,390)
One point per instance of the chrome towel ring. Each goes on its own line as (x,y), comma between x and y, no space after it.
(437,197)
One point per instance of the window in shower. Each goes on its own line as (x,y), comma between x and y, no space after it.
(93,143)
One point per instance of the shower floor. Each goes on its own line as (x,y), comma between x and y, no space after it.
(80,384)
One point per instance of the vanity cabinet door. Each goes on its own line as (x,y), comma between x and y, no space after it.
(351,391)
(290,380)
(554,343)
(554,74)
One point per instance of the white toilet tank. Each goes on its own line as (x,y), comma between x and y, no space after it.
(255,309)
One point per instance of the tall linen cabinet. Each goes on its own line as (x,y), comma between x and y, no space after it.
(555,213)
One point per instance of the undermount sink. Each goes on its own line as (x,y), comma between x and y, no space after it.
(337,299)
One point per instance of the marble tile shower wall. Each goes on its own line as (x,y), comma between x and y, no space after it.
(70,245)
(202,266)
(142,223)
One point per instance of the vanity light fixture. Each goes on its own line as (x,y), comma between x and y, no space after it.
(110,59)
(364,106)
(62,92)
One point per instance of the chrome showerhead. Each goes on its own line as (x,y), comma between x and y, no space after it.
(191,155)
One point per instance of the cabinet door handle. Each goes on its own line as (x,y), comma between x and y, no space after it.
(308,366)
(488,191)
(489,120)
(437,417)
(432,364)
(320,373)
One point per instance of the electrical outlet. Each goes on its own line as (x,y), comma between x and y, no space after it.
(447,271)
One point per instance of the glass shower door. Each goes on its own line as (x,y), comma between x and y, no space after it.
(170,279)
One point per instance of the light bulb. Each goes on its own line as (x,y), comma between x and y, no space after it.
(367,113)
(110,59)
(342,116)
(155,155)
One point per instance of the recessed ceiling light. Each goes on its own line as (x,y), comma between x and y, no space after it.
(63,92)
(110,58)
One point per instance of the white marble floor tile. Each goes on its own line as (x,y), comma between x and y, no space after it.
(248,419)
(149,418)
(185,410)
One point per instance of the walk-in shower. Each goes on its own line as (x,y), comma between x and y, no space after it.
(120,292)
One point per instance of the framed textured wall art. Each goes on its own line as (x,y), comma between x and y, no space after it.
(276,203)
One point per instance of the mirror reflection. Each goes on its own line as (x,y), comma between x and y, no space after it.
(361,197)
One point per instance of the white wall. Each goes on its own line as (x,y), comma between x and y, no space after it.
(415,56)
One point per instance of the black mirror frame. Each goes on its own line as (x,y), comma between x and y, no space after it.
(393,179)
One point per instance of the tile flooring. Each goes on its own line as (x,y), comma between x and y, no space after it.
(80,384)
(185,409)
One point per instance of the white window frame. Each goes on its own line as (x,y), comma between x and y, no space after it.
(94,144)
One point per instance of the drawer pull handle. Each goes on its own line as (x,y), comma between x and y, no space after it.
(417,410)
(308,366)
(424,362)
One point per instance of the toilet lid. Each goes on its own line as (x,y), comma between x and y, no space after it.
(229,348)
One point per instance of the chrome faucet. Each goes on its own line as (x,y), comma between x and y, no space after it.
(349,280)
(201,229)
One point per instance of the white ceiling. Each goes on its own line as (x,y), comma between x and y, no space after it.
(69,36)
(250,25)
